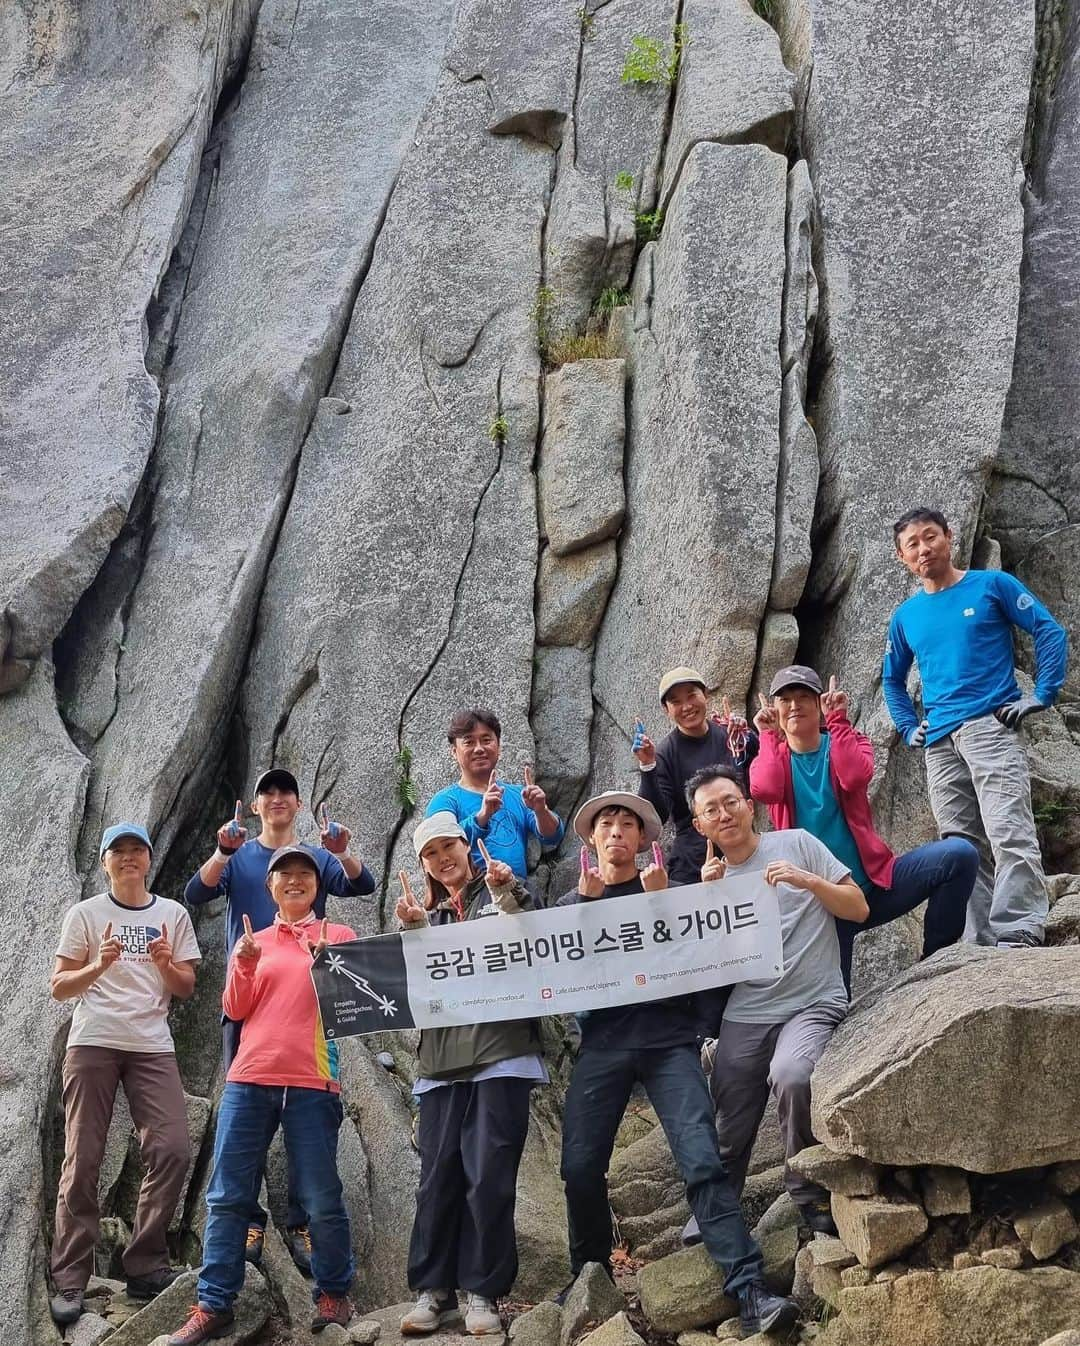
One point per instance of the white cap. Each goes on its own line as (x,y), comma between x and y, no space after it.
(442,824)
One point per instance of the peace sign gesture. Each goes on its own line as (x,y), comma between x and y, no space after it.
(766,719)
(715,866)
(246,945)
(320,945)
(408,909)
(498,874)
(833,699)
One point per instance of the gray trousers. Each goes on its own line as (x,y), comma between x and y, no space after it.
(980,789)
(750,1060)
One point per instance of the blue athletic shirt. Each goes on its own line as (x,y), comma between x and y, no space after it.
(817,810)
(962,640)
(507,833)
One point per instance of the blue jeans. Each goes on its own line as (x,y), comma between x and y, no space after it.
(941,874)
(247,1119)
(675,1083)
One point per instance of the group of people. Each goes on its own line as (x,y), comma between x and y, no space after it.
(707,1062)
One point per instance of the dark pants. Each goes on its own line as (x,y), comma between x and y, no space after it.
(595,1101)
(295,1215)
(941,874)
(248,1117)
(470,1137)
(155,1096)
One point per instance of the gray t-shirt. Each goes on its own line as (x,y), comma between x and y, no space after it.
(811,973)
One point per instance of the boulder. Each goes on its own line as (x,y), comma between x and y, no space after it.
(1046,1228)
(682,1291)
(561,719)
(364,1333)
(876,1230)
(541,1326)
(580,481)
(1069,1338)
(89,1330)
(169,1310)
(1063,922)
(944,1066)
(616,1331)
(571,594)
(1065,1178)
(593,1299)
(1010,1257)
(945,1191)
(983,1306)
(779,1248)
(846,1175)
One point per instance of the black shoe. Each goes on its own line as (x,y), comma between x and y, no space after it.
(762,1311)
(253,1245)
(298,1241)
(66,1307)
(147,1287)
(1024,939)
(817,1216)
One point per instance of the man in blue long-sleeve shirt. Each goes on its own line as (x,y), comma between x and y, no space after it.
(237,871)
(959,629)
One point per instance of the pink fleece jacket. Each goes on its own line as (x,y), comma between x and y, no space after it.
(851,768)
(282,1041)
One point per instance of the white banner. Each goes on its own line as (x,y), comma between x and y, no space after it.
(610,951)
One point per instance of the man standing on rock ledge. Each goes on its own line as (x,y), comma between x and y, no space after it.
(773,1032)
(960,631)
(237,871)
(653,1044)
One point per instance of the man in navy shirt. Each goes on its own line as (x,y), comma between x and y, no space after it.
(959,629)
(499,813)
(237,871)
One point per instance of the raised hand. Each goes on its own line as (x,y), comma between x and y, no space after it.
(833,698)
(160,949)
(109,950)
(591,882)
(917,737)
(532,796)
(321,943)
(654,877)
(493,798)
(643,748)
(498,874)
(246,945)
(333,837)
(408,909)
(232,835)
(766,718)
(783,871)
(715,866)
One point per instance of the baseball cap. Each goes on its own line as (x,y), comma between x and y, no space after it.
(441,824)
(678,675)
(282,854)
(112,835)
(277,775)
(640,808)
(795,675)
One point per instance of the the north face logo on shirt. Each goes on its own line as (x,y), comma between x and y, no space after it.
(1025,601)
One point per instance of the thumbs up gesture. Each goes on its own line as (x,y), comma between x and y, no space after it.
(246,945)
(109,950)
(493,798)
(715,866)
(654,877)
(232,835)
(333,837)
(320,944)
(161,950)
(408,909)
(643,748)
(532,796)
(833,699)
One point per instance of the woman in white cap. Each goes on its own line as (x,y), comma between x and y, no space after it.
(473,1085)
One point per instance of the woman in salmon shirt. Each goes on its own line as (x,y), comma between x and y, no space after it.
(285,1074)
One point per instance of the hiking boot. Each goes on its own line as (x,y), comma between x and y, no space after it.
(762,1311)
(817,1216)
(431,1310)
(1024,939)
(331,1309)
(66,1307)
(146,1287)
(298,1241)
(481,1316)
(254,1245)
(203,1324)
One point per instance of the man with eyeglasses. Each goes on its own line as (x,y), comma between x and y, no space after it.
(773,1032)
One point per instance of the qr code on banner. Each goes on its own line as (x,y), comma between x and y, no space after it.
(434,1006)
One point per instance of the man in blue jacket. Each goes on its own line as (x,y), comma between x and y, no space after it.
(959,629)
(237,871)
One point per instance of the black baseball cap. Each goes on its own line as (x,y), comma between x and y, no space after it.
(796,675)
(277,775)
(283,852)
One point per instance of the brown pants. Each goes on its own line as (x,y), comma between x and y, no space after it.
(156,1097)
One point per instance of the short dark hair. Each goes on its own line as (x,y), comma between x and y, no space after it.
(921,514)
(617,808)
(465,721)
(707,775)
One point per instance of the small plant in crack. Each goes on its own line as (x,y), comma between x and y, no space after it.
(587,21)
(405,786)
(764,9)
(647,225)
(624,181)
(499,429)
(1050,815)
(543,313)
(652,61)
(611,298)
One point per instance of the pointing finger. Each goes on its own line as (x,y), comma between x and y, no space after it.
(107,933)
(492,782)
(239,815)
(762,702)
(164,930)
(323,935)
(657,855)
(584,860)
(832,683)
(406,887)
(528,775)
(247,926)
(726,706)
(324,816)
(710,854)
(483,851)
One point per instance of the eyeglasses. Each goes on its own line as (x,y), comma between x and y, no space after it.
(713,811)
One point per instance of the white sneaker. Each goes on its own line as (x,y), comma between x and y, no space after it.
(428,1314)
(482,1317)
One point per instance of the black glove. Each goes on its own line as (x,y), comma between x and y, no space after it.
(1014,713)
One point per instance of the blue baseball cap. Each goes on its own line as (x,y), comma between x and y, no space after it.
(112,835)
